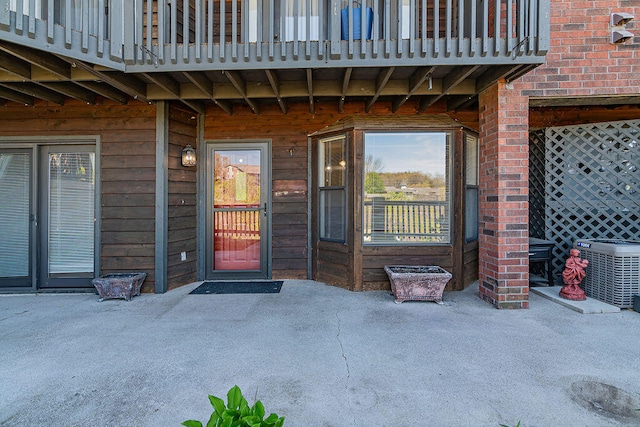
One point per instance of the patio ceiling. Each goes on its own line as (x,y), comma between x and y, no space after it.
(28,75)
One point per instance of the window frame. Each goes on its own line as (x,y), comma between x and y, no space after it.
(471,184)
(324,189)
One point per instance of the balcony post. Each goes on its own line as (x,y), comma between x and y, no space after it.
(130,27)
(116,29)
(544,26)
(334,28)
(5,14)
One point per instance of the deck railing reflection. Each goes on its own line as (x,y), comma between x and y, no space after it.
(401,221)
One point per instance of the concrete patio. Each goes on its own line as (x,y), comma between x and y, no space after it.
(318,355)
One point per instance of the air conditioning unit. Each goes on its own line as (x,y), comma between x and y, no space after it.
(613,274)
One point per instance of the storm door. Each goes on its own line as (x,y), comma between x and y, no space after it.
(238,211)
(67,216)
(16,218)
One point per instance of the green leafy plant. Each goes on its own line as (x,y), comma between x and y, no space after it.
(505,425)
(237,413)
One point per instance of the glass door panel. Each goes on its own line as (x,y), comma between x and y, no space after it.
(68,213)
(15,218)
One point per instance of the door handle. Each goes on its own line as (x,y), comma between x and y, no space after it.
(265,210)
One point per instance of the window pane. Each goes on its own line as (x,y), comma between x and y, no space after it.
(15,172)
(471,214)
(71,212)
(332,214)
(237,179)
(471,160)
(406,188)
(332,169)
(333,162)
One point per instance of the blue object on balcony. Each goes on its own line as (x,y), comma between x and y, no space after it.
(357,23)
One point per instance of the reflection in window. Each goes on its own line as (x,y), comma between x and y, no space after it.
(406,188)
(332,179)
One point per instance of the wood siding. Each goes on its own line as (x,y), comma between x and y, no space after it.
(182,221)
(127,134)
(290,169)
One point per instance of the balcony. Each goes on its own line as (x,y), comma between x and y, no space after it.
(277,51)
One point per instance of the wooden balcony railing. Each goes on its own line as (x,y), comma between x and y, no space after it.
(174,35)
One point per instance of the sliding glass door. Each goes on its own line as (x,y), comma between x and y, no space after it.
(15,218)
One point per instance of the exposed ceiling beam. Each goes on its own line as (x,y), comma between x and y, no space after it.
(451,80)
(519,72)
(345,85)
(241,86)
(50,63)
(37,91)
(485,80)
(202,82)
(14,96)
(415,82)
(103,89)
(127,83)
(383,77)
(168,83)
(275,86)
(165,81)
(312,107)
(72,91)
(15,66)
(460,102)
(491,76)
(584,101)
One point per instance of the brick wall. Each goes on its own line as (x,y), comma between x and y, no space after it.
(582,61)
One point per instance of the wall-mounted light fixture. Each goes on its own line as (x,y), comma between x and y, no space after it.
(188,156)
(620,18)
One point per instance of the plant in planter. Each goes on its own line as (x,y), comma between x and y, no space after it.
(237,413)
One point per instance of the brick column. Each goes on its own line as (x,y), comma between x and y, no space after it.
(504,197)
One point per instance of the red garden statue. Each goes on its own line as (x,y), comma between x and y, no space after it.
(572,276)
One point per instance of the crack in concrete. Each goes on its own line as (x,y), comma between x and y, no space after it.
(346,363)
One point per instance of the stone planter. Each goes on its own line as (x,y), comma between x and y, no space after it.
(119,285)
(417,282)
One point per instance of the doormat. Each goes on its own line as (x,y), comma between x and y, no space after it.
(261,287)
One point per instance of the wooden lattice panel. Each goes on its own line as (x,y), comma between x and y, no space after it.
(592,184)
(536,185)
